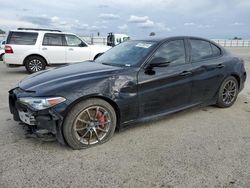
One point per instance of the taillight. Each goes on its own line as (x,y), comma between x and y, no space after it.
(8,49)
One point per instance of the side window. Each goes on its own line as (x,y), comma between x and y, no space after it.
(216,50)
(51,39)
(73,41)
(22,38)
(200,50)
(172,52)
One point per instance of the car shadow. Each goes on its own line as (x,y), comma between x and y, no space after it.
(17,72)
(158,120)
(54,145)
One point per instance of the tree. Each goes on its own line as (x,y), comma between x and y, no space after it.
(152,34)
(236,38)
(2,32)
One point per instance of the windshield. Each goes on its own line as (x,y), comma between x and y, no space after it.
(128,53)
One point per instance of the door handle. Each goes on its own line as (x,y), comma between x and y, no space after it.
(186,73)
(71,49)
(44,48)
(219,66)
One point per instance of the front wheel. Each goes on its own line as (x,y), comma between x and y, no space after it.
(89,123)
(34,64)
(228,92)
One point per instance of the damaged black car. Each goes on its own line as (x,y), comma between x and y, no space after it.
(81,105)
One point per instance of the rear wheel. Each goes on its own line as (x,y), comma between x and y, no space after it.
(89,123)
(98,55)
(34,64)
(228,92)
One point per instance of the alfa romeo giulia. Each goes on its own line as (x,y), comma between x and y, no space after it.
(82,104)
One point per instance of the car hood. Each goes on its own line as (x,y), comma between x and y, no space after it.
(70,73)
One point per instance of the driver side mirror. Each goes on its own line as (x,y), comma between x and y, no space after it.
(82,44)
(158,62)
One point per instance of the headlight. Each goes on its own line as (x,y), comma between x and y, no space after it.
(41,103)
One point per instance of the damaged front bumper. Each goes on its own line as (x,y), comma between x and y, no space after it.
(42,123)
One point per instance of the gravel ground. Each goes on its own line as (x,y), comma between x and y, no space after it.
(199,147)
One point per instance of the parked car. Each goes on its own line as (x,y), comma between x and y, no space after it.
(114,39)
(1,54)
(37,48)
(83,104)
(2,43)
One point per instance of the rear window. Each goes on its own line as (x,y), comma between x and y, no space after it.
(51,39)
(22,38)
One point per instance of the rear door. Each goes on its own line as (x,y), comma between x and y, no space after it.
(208,68)
(76,50)
(162,89)
(53,48)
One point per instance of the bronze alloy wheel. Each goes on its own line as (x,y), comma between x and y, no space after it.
(92,125)
(89,122)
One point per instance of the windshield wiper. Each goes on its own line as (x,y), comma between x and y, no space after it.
(115,65)
(108,64)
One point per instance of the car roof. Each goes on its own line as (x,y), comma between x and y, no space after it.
(41,31)
(162,39)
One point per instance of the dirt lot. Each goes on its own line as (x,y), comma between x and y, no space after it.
(201,147)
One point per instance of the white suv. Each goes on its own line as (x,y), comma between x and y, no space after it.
(37,48)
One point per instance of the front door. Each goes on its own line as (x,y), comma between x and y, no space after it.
(76,50)
(166,86)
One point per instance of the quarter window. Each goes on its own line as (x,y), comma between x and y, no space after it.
(172,52)
(73,40)
(51,39)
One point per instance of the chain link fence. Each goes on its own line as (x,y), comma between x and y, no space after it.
(95,40)
(103,41)
(232,43)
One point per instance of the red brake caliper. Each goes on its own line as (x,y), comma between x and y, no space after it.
(101,118)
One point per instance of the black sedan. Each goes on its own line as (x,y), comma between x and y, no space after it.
(82,104)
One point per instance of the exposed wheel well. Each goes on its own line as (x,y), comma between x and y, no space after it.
(112,103)
(34,55)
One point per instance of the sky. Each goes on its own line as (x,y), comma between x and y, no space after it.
(214,19)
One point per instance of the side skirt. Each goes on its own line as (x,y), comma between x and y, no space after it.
(162,115)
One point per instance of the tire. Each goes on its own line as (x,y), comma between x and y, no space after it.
(228,92)
(78,129)
(34,64)
(98,55)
